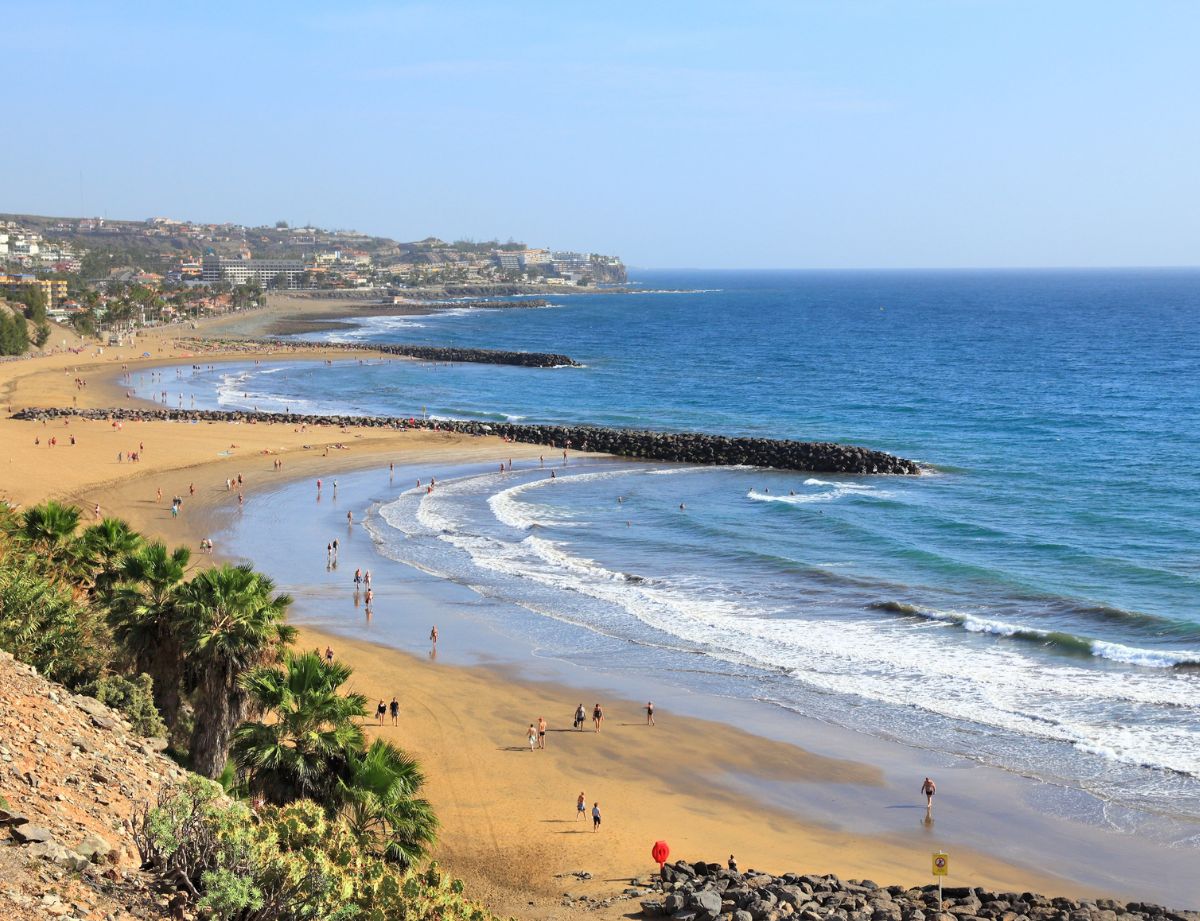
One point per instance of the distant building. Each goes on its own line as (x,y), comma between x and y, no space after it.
(16,285)
(240,271)
(507,261)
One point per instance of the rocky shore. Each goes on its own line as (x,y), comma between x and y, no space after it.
(709,891)
(682,447)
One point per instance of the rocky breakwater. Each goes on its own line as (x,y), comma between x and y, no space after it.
(686,447)
(476,356)
(709,891)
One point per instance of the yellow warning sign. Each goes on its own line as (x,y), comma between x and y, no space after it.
(941,864)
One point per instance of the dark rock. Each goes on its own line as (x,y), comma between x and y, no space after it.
(708,904)
(681,447)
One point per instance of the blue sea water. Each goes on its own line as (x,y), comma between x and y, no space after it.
(1032,602)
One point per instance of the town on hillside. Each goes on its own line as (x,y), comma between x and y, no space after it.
(103,275)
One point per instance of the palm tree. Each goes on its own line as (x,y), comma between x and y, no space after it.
(380,804)
(106,546)
(142,615)
(303,750)
(228,621)
(49,529)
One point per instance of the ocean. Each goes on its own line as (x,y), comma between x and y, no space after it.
(1031,603)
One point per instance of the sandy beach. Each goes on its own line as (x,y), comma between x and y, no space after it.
(509,827)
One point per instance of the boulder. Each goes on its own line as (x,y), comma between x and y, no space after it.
(707,904)
(31,834)
(94,848)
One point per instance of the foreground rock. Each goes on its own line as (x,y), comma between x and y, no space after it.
(73,775)
(708,891)
(681,447)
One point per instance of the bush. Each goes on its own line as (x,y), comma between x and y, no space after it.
(133,698)
(43,624)
(287,863)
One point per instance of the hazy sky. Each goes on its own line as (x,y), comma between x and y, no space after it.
(828,133)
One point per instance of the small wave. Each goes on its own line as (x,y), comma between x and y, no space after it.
(1067,642)
(831,492)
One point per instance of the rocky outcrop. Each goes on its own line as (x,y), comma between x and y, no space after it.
(73,776)
(682,447)
(709,891)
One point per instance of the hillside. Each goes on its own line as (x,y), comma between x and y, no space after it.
(73,775)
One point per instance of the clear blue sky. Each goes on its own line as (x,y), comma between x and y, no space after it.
(830,133)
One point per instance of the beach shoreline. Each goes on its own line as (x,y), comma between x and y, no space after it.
(499,816)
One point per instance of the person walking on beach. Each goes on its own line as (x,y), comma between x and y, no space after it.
(433,635)
(597,716)
(357,577)
(928,788)
(532,737)
(380,711)
(580,717)
(595,816)
(649,713)
(329,654)
(394,706)
(541,724)
(580,806)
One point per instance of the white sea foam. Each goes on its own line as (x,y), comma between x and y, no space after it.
(1002,685)
(1148,658)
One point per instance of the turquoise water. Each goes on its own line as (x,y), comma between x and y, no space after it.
(1031,603)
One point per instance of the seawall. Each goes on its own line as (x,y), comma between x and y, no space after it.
(682,447)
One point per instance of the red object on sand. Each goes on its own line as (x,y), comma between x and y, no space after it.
(660,852)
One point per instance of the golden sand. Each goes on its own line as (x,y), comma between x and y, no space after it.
(509,824)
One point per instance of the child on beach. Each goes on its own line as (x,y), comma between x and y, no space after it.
(595,816)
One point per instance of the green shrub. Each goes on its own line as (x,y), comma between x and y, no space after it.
(133,698)
(42,623)
(287,863)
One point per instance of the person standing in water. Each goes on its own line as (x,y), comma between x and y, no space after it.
(433,635)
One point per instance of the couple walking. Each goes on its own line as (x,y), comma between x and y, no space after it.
(581,717)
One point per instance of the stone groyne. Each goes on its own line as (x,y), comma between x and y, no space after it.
(475,356)
(681,447)
(709,891)
(420,352)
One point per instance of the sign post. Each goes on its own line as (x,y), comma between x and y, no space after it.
(941,868)
(660,852)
